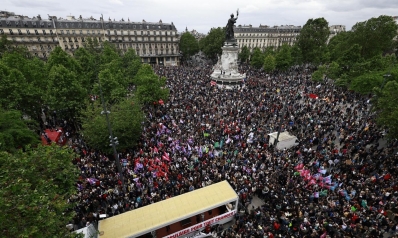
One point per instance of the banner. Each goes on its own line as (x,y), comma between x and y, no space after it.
(202,225)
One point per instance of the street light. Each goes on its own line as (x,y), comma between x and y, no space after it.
(113,140)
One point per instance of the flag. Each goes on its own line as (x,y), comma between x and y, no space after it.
(221,143)
(213,83)
(155,150)
(314,96)
(299,167)
(322,171)
(166,157)
(161,102)
(206,134)
(200,152)
(216,145)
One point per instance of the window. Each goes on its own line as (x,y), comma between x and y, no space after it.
(44,32)
(19,32)
(115,32)
(51,32)
(185,222)
(67,32)
(81,32)
(28,32)
(11,33)
(38,39)
(99,32)
(1,31)
(62,32)
(73,31)
(93,32)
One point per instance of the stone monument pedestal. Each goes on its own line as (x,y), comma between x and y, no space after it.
(226,70)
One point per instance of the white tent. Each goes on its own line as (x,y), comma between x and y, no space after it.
(285,141)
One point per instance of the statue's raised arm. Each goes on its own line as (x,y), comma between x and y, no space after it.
(229,31)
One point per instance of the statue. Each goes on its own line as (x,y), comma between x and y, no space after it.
(229,34)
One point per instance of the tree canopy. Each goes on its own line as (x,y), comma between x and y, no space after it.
(188,45)
(312,40)
(35,186)
(212,43)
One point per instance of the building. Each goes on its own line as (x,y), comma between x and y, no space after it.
(265,36)
(154,42)
(334,30)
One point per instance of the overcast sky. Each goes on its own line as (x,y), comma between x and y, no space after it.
(205,14)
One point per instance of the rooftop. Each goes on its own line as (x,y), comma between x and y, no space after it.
(160,214)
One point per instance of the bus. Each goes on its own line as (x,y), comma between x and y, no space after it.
(186,215)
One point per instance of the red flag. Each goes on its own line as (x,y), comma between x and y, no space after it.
(155,150)
(314,96)
(161,102)
(213,83)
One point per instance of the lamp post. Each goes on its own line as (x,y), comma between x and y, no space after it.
(113,140)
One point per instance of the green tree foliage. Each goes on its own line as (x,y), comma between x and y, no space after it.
(113,86)
(188,45)
(125,118)
(312,40)
(375,35)
(339,44)
(212,43)
(283,57)
(59,57)
(269,63)
(257,58)
(23,83)
(16,132)
(35,186)
(365,83)
(131,64)
(244,54)
(333,70)
(296,55)
(5,45)
(386,107)
(319,74)
(87,61)
(65,91)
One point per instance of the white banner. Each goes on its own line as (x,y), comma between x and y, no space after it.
(201,225)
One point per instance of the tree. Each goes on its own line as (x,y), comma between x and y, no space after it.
(5,44)
(296,55)
(312,40)
(318,75)
(188,45)
(257,58)
(24,83)
(283,58)
(333,70)
(131,64)
(386,107)
(125,118)
(212,43)
(15,132)
(113,87)
(244,54)
(65,92)
(269,64)
(375,35)
(152,91)
(35,186)
(365,83)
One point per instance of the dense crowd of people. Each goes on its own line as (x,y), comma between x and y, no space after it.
(339,181)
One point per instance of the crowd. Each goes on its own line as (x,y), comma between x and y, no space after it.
(340,181)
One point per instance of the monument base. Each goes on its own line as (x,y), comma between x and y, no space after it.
(226,70)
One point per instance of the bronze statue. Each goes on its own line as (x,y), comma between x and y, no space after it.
(229,34)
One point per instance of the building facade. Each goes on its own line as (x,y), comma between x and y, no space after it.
(265,36)
(155,43)
(334,30)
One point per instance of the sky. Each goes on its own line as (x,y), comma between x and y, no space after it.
(202,15)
